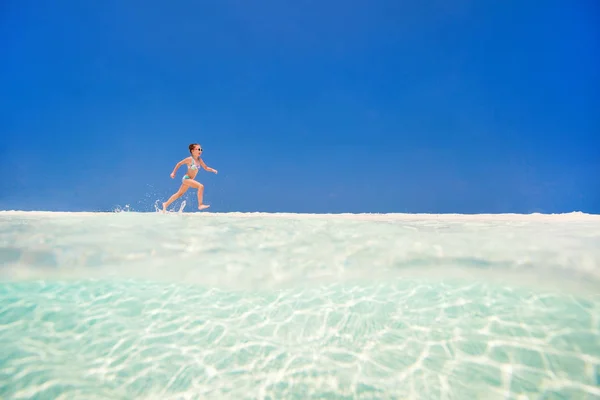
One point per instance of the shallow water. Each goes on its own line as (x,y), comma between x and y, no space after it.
(126,305)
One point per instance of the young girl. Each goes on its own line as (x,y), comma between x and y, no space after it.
(193,163)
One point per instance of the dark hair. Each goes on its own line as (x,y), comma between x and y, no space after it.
(191,146)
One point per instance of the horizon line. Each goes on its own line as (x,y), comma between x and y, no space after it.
(341,215)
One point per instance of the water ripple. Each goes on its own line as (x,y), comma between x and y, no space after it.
(408,339)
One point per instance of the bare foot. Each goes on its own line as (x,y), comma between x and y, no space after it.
(203,206)
(164,208)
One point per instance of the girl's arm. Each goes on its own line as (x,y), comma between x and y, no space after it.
(206,167)
(179,164)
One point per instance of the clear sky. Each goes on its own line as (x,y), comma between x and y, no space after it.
(303,106)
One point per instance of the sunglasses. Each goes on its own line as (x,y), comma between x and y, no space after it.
(200,149)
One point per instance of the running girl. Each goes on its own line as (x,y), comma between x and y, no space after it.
(193,165)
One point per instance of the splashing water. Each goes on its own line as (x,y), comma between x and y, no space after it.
(158,207)
(255,306)
(119,209)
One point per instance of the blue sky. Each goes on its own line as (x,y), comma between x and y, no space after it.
(305,106)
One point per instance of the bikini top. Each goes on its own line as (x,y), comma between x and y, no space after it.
(193,164)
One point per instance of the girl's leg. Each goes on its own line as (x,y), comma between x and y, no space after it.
(182,189)
(200,187)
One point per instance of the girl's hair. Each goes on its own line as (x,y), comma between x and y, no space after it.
(191,146)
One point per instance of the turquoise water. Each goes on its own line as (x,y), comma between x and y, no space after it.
(122,306)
